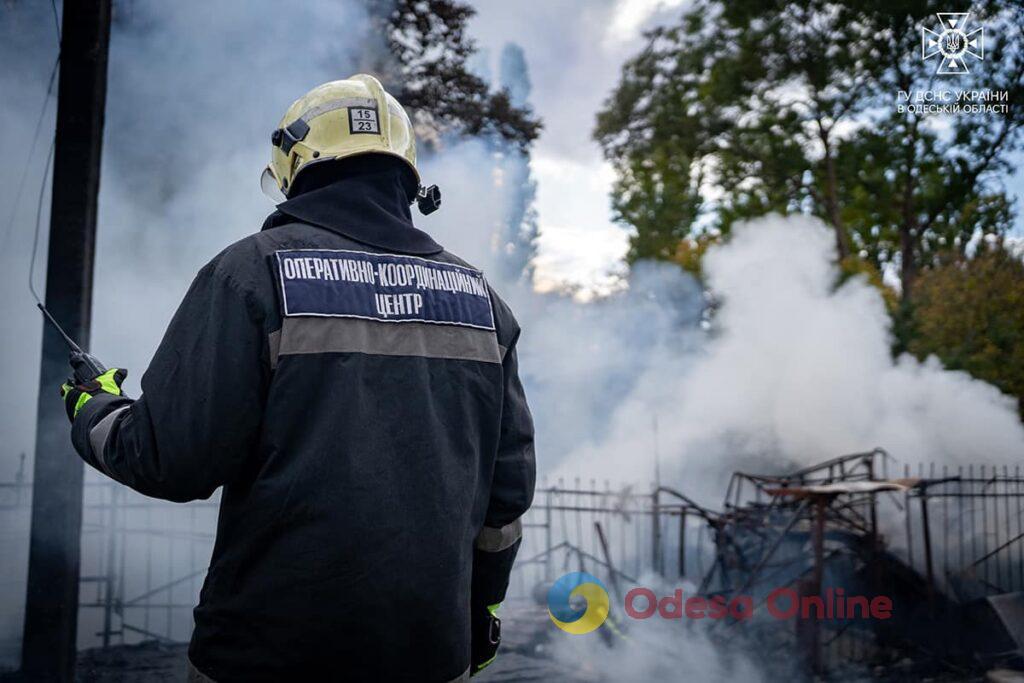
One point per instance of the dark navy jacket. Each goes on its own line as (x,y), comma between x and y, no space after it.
(365,417)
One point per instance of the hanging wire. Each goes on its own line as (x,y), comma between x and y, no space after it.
(46,168)
(56,19)
(31,151)
(39,215)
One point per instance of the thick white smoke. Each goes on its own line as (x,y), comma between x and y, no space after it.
(578,361)
(194,91)
(795,371)
(657,649)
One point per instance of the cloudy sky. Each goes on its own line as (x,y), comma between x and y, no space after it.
(575,50)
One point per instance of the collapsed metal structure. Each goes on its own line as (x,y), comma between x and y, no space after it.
(945,547)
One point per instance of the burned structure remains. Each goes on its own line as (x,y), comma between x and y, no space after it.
(942,546)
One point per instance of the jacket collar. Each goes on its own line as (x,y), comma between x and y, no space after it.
(370,208)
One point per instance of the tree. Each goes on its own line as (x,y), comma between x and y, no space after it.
(970,313)
(425,61)
(424,66)
(744,107)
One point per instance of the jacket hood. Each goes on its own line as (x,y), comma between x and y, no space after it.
(365,199)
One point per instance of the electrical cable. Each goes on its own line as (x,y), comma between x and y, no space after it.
(39,215)
(31,151)
(56,19)
(39,122)
(46,167)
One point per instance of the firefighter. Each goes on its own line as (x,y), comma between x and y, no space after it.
(354,389)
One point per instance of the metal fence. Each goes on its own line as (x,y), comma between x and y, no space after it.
(144,560)
(965,528)
(142,563)
(620,532)
(14,524)
(957,533)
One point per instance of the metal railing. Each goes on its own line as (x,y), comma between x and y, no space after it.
(956,532)
(143,563)
(579,526)
(144,560)
(965,528)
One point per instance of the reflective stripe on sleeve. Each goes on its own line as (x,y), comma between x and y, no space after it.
(99,433)
(494,540)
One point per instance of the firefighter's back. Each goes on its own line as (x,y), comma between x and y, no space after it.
(350,537)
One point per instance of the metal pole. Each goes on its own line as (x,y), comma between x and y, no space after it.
(927,536)
(812,628)
(51,609)
(908,513)
(807,626)
(656,532)
(984,521)
(682,544)
(548,521)
(870,461)
(613,574)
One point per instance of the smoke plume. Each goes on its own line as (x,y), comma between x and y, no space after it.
(795,370)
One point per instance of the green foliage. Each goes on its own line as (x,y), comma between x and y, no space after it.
(744,108)
(425,68)
(970,313)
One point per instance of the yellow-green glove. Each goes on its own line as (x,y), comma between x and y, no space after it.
(486,634)
(77,395)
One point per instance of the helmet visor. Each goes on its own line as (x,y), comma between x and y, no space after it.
(268,183)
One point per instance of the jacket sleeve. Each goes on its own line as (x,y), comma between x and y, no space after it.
(511,491)
(202,400)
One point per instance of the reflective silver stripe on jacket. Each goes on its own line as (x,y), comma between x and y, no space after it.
(100,432)
(308,334)
(493,540)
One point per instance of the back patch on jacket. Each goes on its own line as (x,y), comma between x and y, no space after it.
(384,287)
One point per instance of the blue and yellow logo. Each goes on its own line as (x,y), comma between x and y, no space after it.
(578,585)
